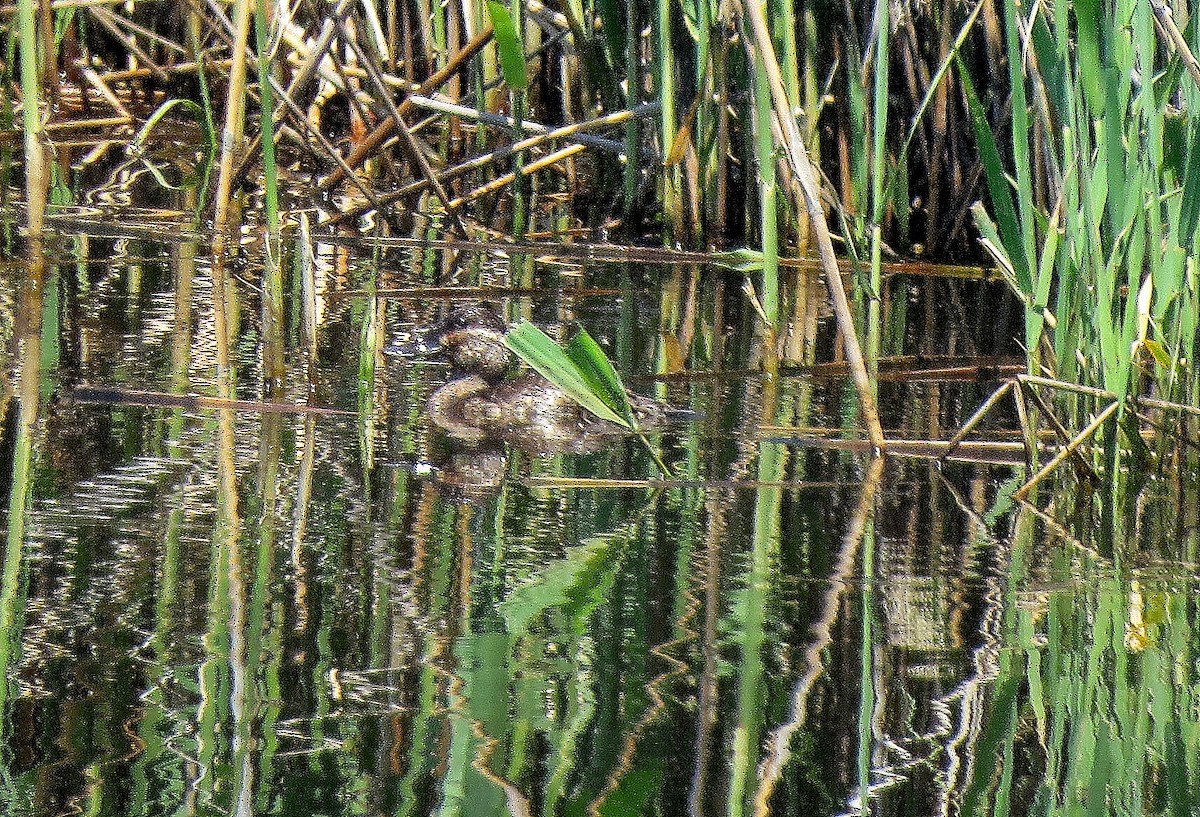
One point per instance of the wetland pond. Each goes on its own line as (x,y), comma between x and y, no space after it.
(302,601)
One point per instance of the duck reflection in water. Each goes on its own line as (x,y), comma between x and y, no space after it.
(482,408)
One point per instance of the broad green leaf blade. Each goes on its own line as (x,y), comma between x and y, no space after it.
(510,45)
(598,372)
(546,357)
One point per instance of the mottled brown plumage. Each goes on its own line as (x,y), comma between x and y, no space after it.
(526,411)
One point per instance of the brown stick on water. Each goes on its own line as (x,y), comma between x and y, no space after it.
(116,395)
(808,198)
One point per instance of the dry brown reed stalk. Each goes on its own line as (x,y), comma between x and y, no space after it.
(481,161)
(1164,24)
(102,123)
(415,150)
(368,146)
(1071,449)
(107,20)
(102,88)
(500,182)
(179,69)
(509,123)
(807,198)
(329,151)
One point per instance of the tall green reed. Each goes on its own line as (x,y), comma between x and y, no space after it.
(37,180)
(1104,236)
(665,88)
(1091,217)
(879,173)
(272,288)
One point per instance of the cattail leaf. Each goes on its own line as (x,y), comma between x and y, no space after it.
(998,186)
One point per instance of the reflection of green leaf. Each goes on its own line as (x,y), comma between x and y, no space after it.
(598,372)
(553,585)
(540,351)
(508,41)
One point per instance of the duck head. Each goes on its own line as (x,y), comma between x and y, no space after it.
(471,339)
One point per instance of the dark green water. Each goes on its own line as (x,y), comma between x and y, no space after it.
(262,611)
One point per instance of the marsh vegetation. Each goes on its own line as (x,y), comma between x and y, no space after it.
(918,281)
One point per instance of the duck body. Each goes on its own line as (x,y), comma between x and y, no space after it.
(530,413)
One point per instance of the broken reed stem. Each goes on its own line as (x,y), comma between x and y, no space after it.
(508,178)
(807,197)
(976,418)
(1063,435)
(1080,439)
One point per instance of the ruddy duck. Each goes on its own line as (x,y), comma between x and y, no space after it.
(527,411)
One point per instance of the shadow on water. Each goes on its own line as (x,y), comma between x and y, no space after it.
(313,603)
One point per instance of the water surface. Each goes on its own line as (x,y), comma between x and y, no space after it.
(304,603)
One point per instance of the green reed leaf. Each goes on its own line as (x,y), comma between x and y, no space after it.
(742,259)
(510,45)
(546,357)
(598,372)
(998,187)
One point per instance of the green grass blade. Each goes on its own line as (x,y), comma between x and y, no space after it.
(510,45)
(546,357)
(613,22)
